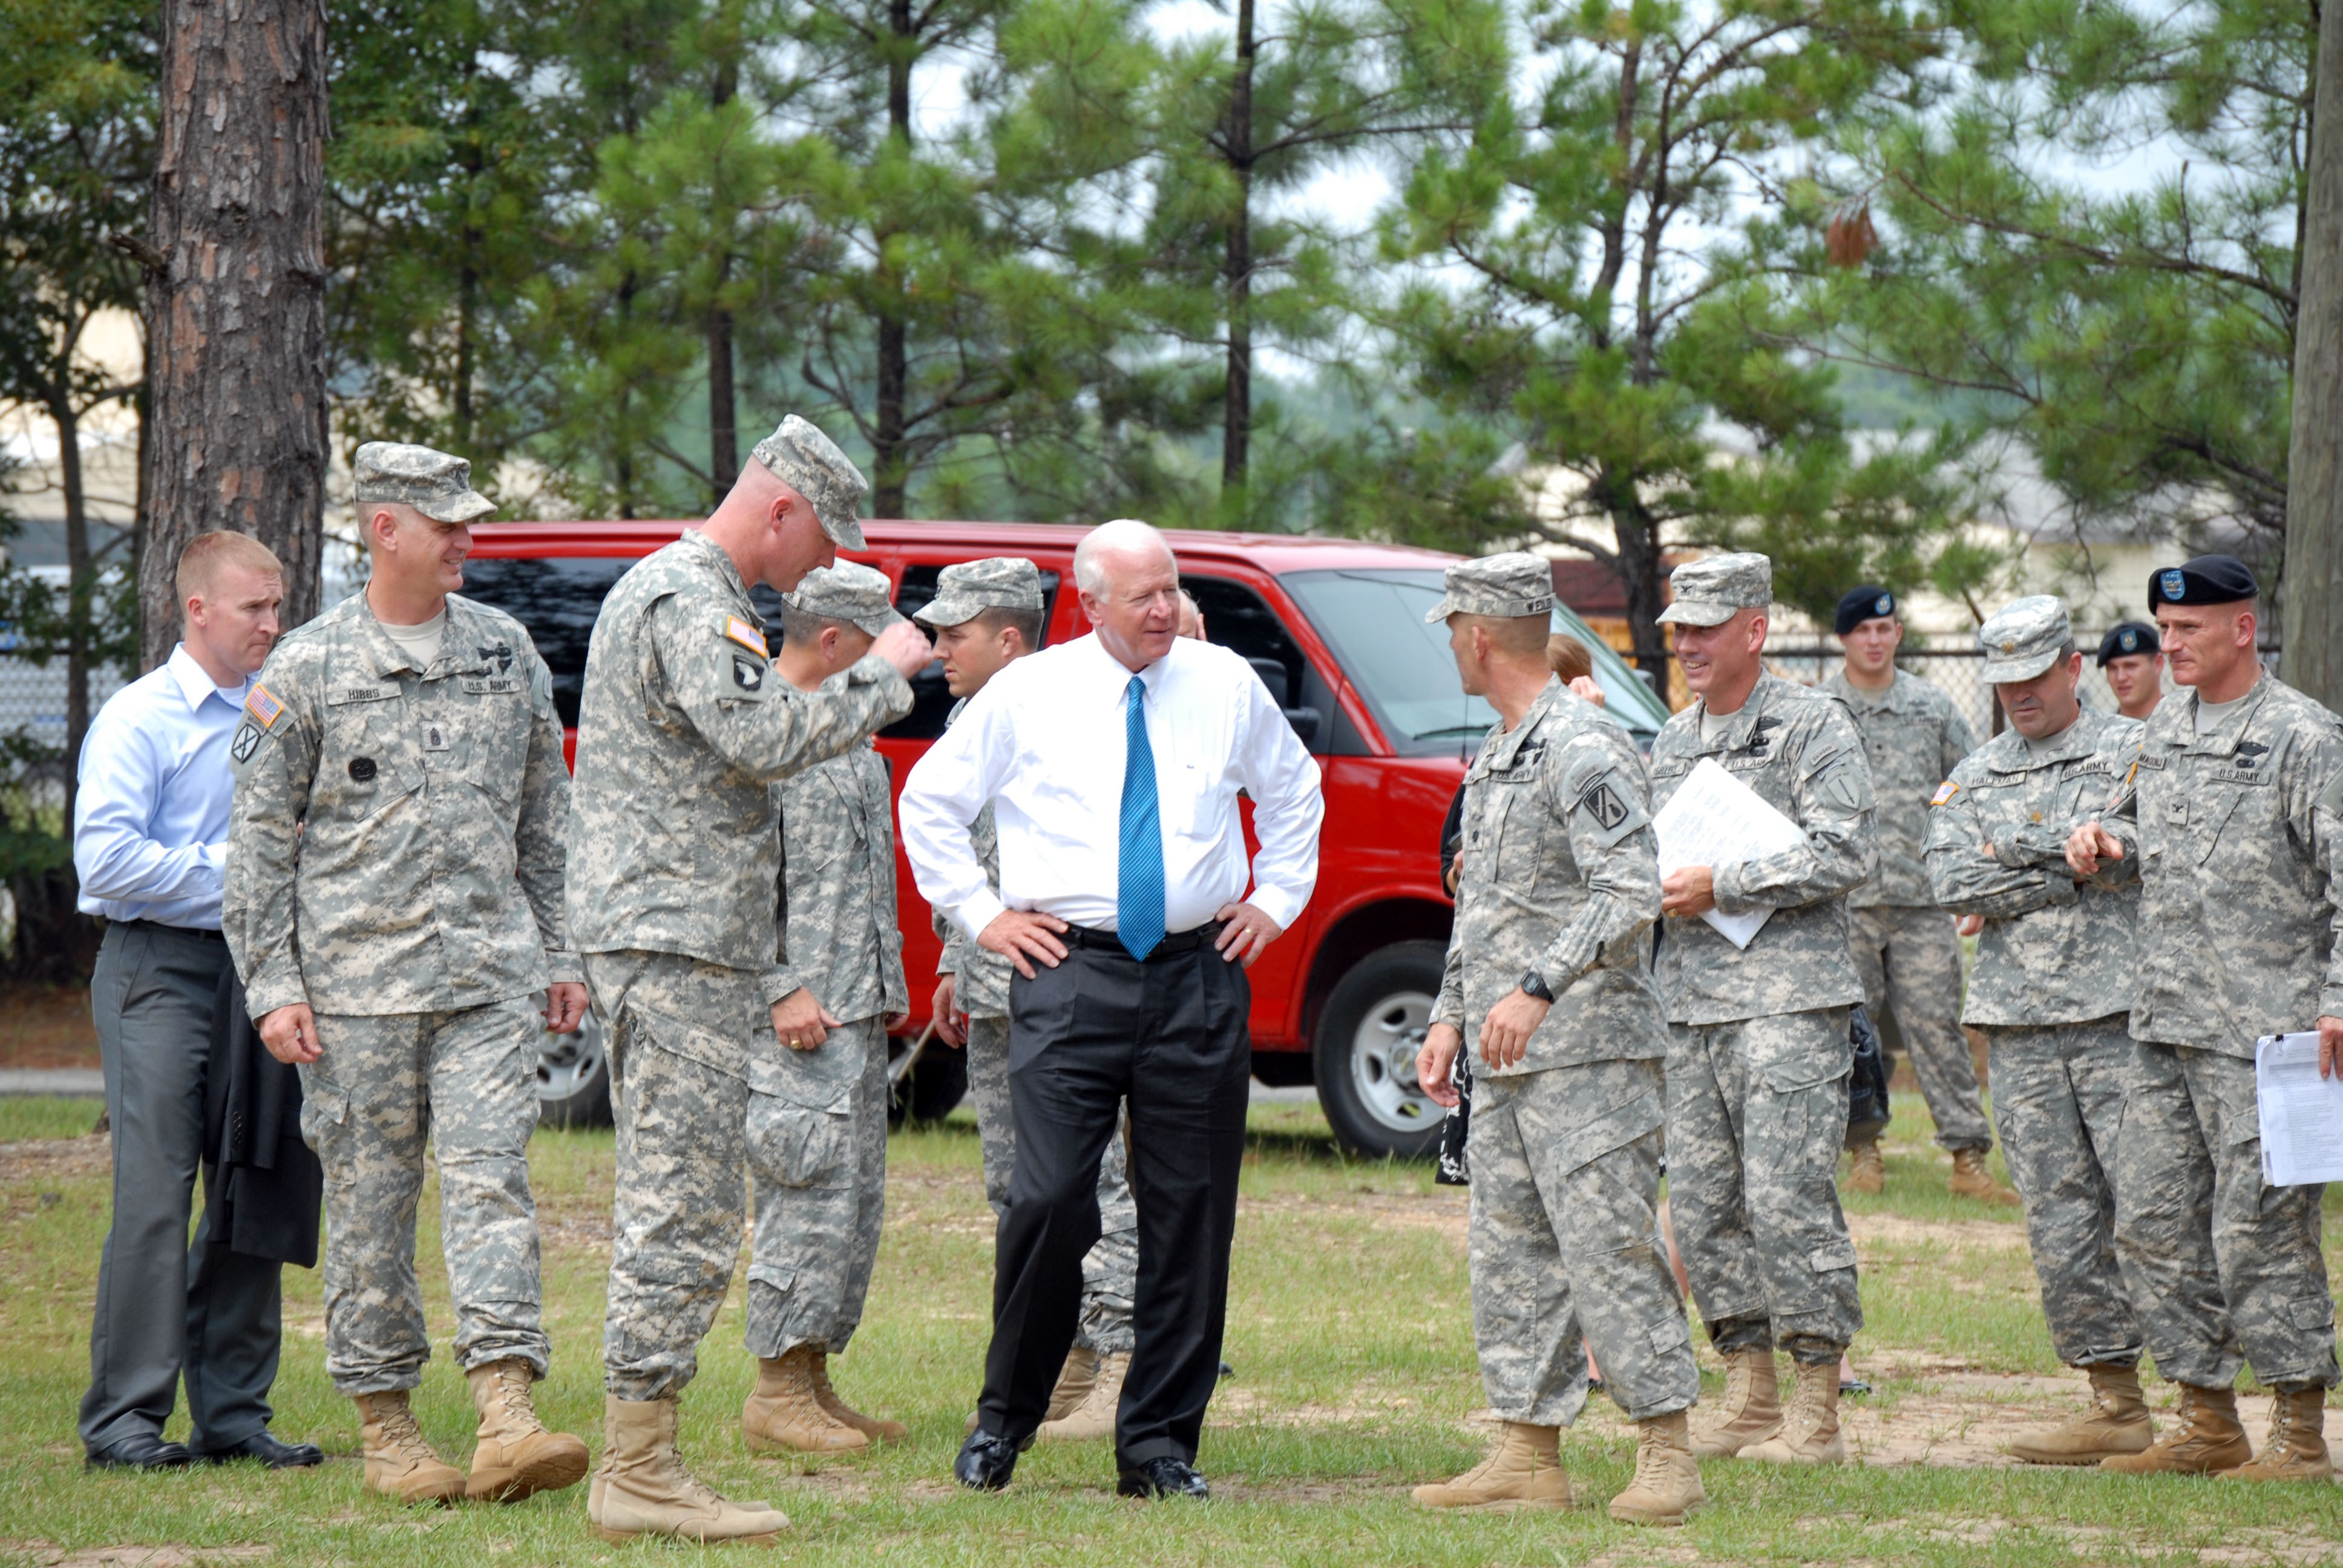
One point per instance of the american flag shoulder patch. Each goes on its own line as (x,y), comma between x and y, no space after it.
(1944,792)
(262,704)
(748,636)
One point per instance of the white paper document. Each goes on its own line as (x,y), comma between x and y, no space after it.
(1716,820)
(2301,1112)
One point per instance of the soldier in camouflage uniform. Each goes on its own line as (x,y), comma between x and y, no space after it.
(985,615)
(1758,1055)
(394,897)
(682,727)
(1905,947)
(817,1106)
(1549,978)
(2052,990)
(2235,813)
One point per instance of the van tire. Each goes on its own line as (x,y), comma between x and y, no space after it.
(1366,1084)
(933,1089)
(573,1077)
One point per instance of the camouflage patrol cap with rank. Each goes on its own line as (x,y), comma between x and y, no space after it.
(966,589)
(433,483)
(809,462)
(1508,587)
(848,591)
(1710,591)
(2024,638)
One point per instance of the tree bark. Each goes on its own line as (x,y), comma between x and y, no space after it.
(1236,412)
(891,461)
(236,311)
(2313,614)
(723,409)
(81,570)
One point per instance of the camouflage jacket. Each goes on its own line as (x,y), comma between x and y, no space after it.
(1558,874)
(981,982)
(1912,741)
(395,844)
(2053,950)
(1798,749)
(2237,833)
(680,729)
(839,936)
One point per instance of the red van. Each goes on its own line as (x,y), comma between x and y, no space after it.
(1336,629)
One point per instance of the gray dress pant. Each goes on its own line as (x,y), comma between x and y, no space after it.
(168,1308)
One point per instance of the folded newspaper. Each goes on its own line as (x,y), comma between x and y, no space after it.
(2301,1112)
(1716,820)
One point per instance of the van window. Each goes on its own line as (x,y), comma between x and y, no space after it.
(1240,620)
(931,699)
(557,600)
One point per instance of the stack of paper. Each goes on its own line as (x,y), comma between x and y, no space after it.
(1716,820)
(2301,1112)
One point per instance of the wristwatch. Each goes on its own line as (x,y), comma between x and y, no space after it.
(1533,984)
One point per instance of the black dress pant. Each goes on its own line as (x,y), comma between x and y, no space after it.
(1169,1034)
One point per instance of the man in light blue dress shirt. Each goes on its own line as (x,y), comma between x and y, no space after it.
(150,842)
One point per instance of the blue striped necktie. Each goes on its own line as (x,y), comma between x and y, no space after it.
(1139,895)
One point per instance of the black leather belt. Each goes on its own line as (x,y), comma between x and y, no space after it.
(204,933)
(1177,942)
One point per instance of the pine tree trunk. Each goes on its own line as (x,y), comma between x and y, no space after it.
(1236,414)
(2313,640)
(81,573)
(236,311)
(723,410)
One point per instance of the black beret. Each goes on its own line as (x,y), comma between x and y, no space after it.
(2131,637)
(2207,580)
(1856,606)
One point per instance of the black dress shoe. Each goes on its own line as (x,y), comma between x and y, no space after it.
(263,1446)
(139,1450)
(986,1462)
(1165,1477)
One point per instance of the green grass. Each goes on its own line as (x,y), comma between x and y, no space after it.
(1350,1334)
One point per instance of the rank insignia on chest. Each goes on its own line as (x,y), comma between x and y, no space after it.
(499,654)
(2249,753)
(262,704)
(748,636)
(748,674)
(1944,792)
(436,738)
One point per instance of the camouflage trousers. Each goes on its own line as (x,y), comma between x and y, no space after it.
(1110,1268)
(1909,959)
(381,1086)
(1565,1243)
(679,1032)
(1757,1112)
(2057,1101)
(2222,1269)
(818,1152)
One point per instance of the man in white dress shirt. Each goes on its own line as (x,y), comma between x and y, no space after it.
(150,842)
(1113,764)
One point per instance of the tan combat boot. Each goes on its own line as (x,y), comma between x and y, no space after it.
(643,1488)
(2297,1448)
(2204,1437)
(1074,1380)
(1809,1433)
(1866,1168)
(1666,1487)
(785,1414)
(399,1463)
(1972,1179)
(2116,1423)
(513,1455)
(1094,1416)
(875,1428)
(1753,1406)
(1523,1471)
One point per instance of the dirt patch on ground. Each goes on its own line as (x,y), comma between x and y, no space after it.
(1966,1421)
(46,1027)
(1950,1235)
(43,1555)
(56,1159)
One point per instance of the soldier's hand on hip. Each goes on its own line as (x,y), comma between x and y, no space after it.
(1687,891)
(290,1033)
(1245,933)
(1020,936)
(565,1006)
(2330,1047)
(905,647)
(1505,1032)
(942,1009)
(800,1021)
(1435,1064)
(2089,844)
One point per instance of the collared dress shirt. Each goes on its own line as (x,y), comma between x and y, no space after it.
(150,814)
(1045,742)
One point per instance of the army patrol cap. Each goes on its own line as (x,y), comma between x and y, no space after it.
(848,591)
(809,462)
(1711,590)
(1506,586)
(2024,638)
(433,483)
(2130,637)
(2207,580)
(966,589)
(1869,602)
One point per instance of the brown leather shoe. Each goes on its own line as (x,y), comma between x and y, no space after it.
(1523,1471)
(2297,1448)
(1972,1179)
(2204,1437)
(875,1428)
(513,1456)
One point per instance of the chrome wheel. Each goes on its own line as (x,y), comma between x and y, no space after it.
(1383,1062)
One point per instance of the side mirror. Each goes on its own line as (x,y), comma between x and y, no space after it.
(1306,721)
